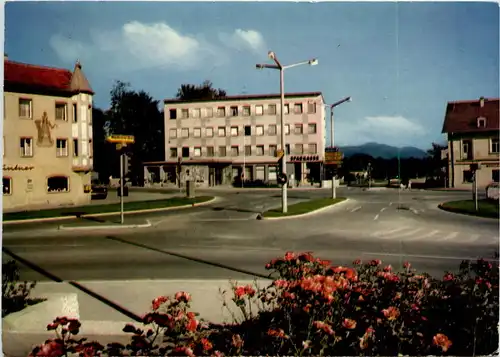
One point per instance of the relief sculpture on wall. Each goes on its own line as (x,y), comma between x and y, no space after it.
(44,128)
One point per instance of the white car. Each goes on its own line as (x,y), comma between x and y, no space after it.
(493,191)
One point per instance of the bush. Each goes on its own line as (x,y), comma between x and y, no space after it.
(313,308)
(15,294)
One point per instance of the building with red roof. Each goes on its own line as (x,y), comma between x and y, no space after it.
(472,127)
(47,136)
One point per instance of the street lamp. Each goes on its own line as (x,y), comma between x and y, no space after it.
(281,68)
(332,142)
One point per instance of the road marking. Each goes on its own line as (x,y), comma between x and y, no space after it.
(382,233)
(390,203)
(375,218)
(356,209)
(232,247)
(383,209)
(410,233)
(449,236)
(428,235)
(425,256)
(474,237)
(414,210)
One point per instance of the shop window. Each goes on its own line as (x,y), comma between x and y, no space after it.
(57,184)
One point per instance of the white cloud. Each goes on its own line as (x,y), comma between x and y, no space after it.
(244,40)
(139,45)
(391,130)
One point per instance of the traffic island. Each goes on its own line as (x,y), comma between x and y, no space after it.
(486,208)
(302,208)
(92,211)
(89,225)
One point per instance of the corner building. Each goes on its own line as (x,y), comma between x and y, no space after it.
(221,142)
(47,137)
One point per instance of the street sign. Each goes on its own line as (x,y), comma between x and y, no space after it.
(333,157)
(280,153)
(282,179)
(121,139)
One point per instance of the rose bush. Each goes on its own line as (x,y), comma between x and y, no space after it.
(315,308)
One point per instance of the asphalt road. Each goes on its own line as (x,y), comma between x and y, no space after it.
(224,240)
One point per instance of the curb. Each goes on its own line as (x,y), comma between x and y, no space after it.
(62,218)
(319,210)
(121,226)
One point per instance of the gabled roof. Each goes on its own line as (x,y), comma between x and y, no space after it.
(461,116)
(245,97)
(28,78)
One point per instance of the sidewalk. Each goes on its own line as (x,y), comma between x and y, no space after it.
(23,330)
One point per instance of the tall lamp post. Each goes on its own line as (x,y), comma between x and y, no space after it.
(281,68)
(332,135)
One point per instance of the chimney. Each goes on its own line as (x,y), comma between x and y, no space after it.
(481,102)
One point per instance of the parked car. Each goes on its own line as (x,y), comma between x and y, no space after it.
(492,191)
(99,191)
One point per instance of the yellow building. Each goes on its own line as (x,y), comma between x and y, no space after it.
(47,137)
(473,131)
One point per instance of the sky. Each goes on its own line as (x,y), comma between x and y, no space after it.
(401,62)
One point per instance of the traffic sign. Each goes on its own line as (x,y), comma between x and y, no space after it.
(282,179)
(333,157)
(280,153)
(121,139)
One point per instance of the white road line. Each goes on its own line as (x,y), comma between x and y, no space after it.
(376,217)
(424,256)
(428,235)
(383,209)
(383,233)
(452,235)
(356,209)
(414,210)
(390,203)
(474,237)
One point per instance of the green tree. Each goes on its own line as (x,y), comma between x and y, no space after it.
(137,113)
(205,91)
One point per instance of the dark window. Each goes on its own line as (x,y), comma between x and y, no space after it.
(75,114)
(173,114)
(173,152)
(248,130)
(495,175)
(468,176)
(7,185)
(185,152)
(58,184)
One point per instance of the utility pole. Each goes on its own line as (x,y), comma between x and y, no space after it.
(122,168)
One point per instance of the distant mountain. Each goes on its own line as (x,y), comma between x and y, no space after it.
(384,151)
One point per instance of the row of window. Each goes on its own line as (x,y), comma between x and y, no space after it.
(55,184)
(235,131)
(235,151)
(62,147)
(467,152)
(61,110)
(234,111)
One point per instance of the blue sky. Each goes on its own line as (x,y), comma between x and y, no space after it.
(401,62)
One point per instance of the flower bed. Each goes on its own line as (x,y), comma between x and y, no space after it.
(314,308)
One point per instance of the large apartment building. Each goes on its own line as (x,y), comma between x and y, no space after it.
(223,141)
(47,137)
(472,128)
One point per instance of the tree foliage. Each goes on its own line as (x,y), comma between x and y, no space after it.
(137,113)
(204,91)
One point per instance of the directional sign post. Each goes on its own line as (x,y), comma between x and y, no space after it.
(121,141)
(333,157)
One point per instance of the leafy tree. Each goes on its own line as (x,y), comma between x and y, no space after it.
(205,91)
(99,132)
(137,113)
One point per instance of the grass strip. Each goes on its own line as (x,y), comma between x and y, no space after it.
(303,207)
(107,208)
(486,208)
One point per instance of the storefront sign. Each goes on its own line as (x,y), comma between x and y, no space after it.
(304,158)
(18,167)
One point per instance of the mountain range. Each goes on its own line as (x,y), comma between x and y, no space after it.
(384,151)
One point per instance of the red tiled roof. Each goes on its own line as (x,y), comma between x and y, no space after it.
(461,116)
(246,97)
(38,77)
